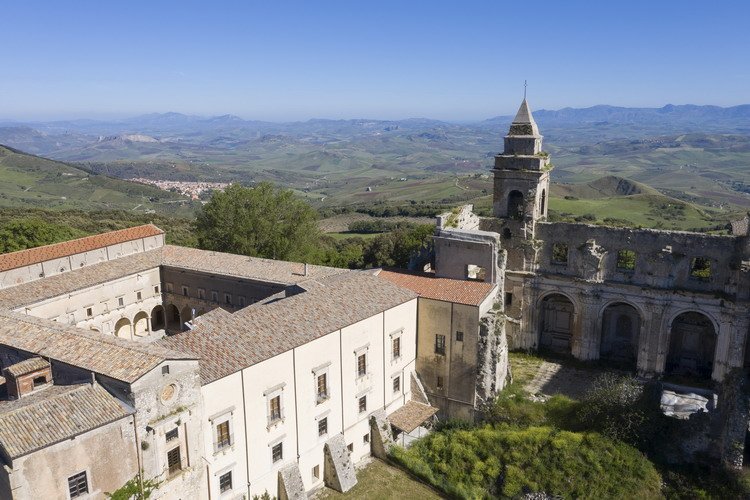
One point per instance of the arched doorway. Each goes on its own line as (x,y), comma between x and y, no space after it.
(186,315)
(621,328)
(515,205)
(173,318)
(157,318)
(122,328)
(692,343)
(556,329)
(140,324)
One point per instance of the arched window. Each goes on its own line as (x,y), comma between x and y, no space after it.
(515,205)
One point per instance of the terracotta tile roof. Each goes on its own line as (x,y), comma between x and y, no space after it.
(242,266)
(55,414)
(27,366)
(467,292)
(119,359)
(230,343)
(23,258)
(411,415)
(77,279)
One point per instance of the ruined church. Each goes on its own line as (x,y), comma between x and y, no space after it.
(198,374)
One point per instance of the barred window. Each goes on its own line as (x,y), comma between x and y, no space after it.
(362,365)
(396,347)
(223,438)
(78,485)
(363,404)
(396,384)
(323,426)
(173,434)
(173,460)
(277,452)
(322,387)
(225,482)
(440,344)
(275,408)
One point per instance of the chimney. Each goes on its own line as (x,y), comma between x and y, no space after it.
(305,272)
(26,376)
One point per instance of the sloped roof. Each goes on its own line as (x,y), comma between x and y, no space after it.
(260,332)
(55,414)
(523,119)
(471,293)
(110,356)
(77,279)
(411,415)
(36,255)
(27,366)
(242,266)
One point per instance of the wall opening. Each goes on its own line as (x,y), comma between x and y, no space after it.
(173,318)
(474,272)
(556,328)
(626,260)
(560,254)
(621,326)
(122,328)
(140,324)
(542,203)
(700,268)
(692,343)
(157,318)
(515,205)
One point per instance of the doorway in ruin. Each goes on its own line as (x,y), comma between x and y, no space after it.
(173,318)
(692,343)
(515,205)
(122,328)
(556,324)
(157,318)
(621,328)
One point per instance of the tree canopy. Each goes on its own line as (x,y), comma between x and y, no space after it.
(262,221)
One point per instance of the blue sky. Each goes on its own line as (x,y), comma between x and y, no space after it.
(283,60)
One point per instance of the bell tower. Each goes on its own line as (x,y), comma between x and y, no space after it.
(521,173)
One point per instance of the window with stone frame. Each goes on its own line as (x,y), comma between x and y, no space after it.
(321,389)
(363,404)
(274,408)
(277,452)
(560,253)
(626,260)
(223,435)
(225,482)
(440,344)
(396,384)
(174,461)
(362,365)
(396,347)
(78,485)
(323,426)
(172,434)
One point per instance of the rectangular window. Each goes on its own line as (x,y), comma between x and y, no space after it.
(322,387)
(396,347)
(440,382)
(316,472)
(275,408)
(363,404)
(366,438)
(185,291)
(156,289)
(169,287)
(165,370)
(173,434)
(120,301)
(201,293)
(508,299)
(626,260)
(700,268)
(560,253)
(362,365)
(241,301)
(78,485)
(89,312)
(350,447)
(277,452)
(215,296)
(440,344)
(227,299)
(396,384)
(459,336)
(138,295)
(223,439)
(173,460)
(323,426)
(225,482)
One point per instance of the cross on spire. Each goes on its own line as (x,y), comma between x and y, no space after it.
(524,90)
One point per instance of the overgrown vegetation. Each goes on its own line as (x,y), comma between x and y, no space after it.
(134,489)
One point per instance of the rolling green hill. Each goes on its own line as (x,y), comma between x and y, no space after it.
(35,182)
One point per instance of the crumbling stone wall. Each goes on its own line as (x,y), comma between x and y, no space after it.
(492,357)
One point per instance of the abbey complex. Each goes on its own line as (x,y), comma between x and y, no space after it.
(222,376)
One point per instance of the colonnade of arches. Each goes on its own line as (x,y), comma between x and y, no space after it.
(692,336)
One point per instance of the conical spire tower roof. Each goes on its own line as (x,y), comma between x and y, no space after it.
(523,123)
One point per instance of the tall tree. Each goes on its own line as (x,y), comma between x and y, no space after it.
(262,221)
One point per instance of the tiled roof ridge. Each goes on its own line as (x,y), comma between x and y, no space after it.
(44,253)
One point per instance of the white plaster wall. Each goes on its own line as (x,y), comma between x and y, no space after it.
(220,399)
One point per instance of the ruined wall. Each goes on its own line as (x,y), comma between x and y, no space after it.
(458,254)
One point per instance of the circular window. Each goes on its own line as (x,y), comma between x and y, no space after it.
(168,393)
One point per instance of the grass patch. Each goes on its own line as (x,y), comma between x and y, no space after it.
(380,481)
(524,366)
